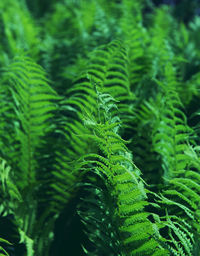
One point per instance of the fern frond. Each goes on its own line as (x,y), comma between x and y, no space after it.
(20,37)
(107,69)
(33,99)
(126,187)
(96,211)
(34,104)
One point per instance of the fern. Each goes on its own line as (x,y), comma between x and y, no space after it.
(127,188)
(18,30)
(34,102)
(32,97)
(108,148)
(82,100)
(170,140)
(6,186)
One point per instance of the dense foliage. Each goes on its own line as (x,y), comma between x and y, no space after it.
(99,128)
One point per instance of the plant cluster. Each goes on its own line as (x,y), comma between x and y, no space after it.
(99,129)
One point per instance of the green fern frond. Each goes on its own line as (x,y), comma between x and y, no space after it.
(34,104)
(127,188)
(108,68)
(106,63)
(10,194)
(96,211)
(19,30)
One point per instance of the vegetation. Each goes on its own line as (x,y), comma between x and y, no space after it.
(99,128)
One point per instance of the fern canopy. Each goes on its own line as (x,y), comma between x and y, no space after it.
(99,128)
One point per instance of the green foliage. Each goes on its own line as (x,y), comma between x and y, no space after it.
(99,129)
